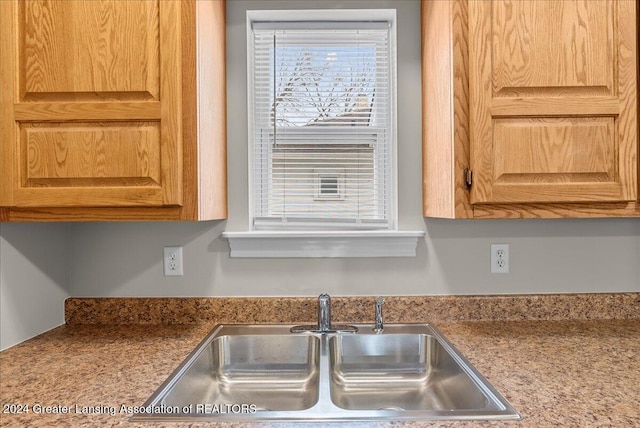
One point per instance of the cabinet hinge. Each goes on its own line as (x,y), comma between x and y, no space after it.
(468,178)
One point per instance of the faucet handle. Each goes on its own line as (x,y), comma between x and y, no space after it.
(379,300)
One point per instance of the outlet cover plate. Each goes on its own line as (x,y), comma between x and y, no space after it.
(499,258)
(172,261)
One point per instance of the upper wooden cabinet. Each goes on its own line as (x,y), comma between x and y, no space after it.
(112,110)
(540,106)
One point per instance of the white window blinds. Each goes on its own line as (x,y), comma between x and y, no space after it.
(322,118)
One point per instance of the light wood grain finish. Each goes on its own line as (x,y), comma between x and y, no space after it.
(555,106)
(212,109)
(66,214)
(546,210)
(110,50)
(445,108)
(170,52)
(82,49)
(42,112)
(64,155)
(574,60)
(578,153)
(8,95)
(548,146)
(204,110)
(553,92)
(552,45)
(185,44)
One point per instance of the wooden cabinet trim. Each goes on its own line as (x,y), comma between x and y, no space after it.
(77,111)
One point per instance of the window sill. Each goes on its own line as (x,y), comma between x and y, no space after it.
(286,244)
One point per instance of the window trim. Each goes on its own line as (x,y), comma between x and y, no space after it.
(263,17)
(324,243)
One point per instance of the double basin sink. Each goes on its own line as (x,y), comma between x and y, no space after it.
(267,373)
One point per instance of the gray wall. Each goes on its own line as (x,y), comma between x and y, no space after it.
(547,256)
(34,269)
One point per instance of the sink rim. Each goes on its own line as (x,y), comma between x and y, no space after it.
(325,409)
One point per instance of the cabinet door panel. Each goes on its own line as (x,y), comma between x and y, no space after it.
(548,47)
(577,149)
(66,164)
(89,49)
(91,103)
(122,154)
(536,157)
(553,101)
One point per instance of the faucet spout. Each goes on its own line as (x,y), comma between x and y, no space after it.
(379,327)
(324,324)
(324,313)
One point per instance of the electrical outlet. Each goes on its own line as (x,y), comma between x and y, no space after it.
(173,261)
(499,258)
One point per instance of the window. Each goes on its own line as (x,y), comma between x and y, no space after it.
(322,119)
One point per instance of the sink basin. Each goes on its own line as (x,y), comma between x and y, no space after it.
(266,373)
(399,372)
(272,372)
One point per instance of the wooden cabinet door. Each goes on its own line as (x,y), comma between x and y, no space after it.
(90,103)
(553,100)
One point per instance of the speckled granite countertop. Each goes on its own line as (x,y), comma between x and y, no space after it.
(555,373)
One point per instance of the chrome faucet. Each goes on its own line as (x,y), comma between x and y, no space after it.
(379,327)
(324,324)
(324,313)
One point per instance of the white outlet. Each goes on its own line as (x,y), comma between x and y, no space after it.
(173,261)
(499,258)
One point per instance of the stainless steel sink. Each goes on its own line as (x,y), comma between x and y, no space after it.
(273,372)
(264,372)
(399,372)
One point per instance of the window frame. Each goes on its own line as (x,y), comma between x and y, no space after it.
(313,17)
